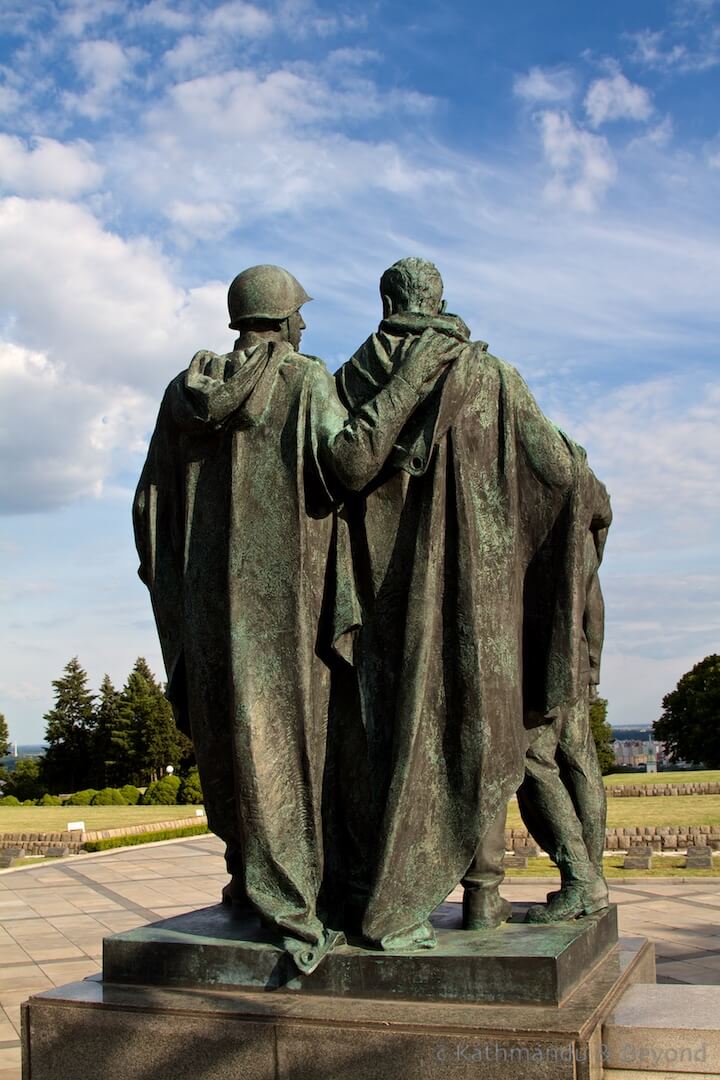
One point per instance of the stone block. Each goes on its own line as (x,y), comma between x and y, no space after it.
(699,857)
(95,1029)
(516,861)
(57,851)
(666,1028)
(638,858)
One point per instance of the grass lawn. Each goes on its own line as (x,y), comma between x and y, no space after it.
(15,819)
(659,810)
(709,776)
(661,866)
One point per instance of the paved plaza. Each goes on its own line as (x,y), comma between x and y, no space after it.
(54,916)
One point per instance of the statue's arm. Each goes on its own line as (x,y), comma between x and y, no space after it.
(354,449)
(546,449)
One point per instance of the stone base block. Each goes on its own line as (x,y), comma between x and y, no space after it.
(517,963)
(631,1074)
(93,1030)
(668,1029)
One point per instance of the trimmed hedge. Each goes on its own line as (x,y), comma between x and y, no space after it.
(108,797)
(190,791)
(162,792)
(144,838)
(81,798)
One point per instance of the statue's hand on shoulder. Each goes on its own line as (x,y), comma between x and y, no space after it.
(218,386)
(205,368)
(423,358)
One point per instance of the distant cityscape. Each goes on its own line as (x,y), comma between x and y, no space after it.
(633,747)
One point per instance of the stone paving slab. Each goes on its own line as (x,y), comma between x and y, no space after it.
(53,919)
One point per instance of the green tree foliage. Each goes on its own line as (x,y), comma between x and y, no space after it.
(190,789)
(70,732)
(162,792)
(25,782)
(690,722)
(156,741)
(9,800)
(130,794)
(112,741)
(49,800)
(4,737)
(602,734)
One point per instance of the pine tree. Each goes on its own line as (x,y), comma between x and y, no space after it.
(4,737)
(156,741)
(69,732)
(111,766)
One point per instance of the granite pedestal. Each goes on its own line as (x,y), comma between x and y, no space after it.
(379,1016)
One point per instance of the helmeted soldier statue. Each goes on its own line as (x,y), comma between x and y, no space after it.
(249,572)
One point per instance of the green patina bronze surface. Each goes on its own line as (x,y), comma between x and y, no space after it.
(515,963)
(344,575)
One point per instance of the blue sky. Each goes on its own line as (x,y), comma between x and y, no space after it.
(559,162)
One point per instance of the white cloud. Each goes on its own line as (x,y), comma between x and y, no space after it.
(263,145)
(583,163)
(9,99)
(545,85)
(616,98)
(53,431)
(239,18)
(95,329)
(161,13)
(47,167)
(103,66)
(660,439)
(658,136)
(218,35)
(80,15)
(690,44)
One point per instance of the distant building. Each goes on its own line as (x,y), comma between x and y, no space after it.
(635,748)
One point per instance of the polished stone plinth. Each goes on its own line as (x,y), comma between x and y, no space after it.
(517,963)
(94,1029)
(666,1029)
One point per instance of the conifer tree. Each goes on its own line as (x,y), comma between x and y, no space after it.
(69,732)
(112,743)
(156,741)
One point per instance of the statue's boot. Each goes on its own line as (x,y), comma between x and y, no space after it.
(483,906)
(572,901)
(306,955)
(484,909)
(415,939)
(235,896)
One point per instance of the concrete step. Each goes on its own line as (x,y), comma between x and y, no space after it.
(664,1031)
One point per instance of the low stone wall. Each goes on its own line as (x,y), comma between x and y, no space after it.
(145,827)
(35,843)
(633,791)
(658,837)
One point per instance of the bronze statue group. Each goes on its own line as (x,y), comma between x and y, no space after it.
(378,604)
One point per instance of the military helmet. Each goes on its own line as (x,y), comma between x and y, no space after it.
(264,292)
